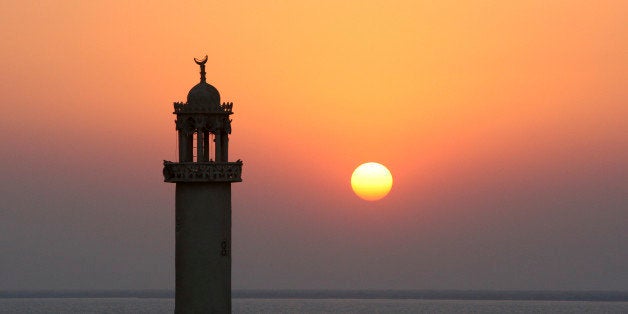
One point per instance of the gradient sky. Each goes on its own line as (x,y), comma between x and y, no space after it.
(503,123)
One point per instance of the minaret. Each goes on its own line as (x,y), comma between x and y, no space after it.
(203,177)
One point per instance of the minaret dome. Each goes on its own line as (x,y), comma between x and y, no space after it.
(203,96)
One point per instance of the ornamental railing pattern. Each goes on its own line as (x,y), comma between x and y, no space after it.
(201,123)
(202,171)
(181,107)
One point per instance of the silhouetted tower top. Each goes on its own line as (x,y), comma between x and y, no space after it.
(203,125)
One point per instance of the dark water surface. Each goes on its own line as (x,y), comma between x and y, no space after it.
(325,301)
(161,305)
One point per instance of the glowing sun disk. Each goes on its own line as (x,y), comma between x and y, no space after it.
(371,181)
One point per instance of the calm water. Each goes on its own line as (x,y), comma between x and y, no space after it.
(141,305)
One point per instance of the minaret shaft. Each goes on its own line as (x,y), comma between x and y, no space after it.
(203,242)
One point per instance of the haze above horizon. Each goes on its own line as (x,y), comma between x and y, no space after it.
(504,124)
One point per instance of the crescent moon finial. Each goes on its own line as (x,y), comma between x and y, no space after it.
(202,61)
(202,64)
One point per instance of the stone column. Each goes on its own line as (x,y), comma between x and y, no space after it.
(199,146)
(185,147)
(224,146)
(205,146)
(218,145)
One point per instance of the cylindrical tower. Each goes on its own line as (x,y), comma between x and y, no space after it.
(203,177)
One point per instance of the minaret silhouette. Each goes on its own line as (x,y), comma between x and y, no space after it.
(203,178)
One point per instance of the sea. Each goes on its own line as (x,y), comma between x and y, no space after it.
(328,302)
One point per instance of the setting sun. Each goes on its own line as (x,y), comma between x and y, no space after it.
(371,181)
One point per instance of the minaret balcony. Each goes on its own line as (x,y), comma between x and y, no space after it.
(202,171)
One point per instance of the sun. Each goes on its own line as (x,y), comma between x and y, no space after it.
(371,181)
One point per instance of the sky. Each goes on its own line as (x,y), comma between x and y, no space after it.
(502,122)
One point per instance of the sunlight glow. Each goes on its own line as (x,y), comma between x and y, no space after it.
(371,181)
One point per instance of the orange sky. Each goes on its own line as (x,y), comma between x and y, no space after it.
(482,110)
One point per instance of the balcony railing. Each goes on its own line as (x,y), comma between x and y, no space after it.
(180,107)
(202,171)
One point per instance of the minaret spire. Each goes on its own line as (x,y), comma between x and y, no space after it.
(202,64)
